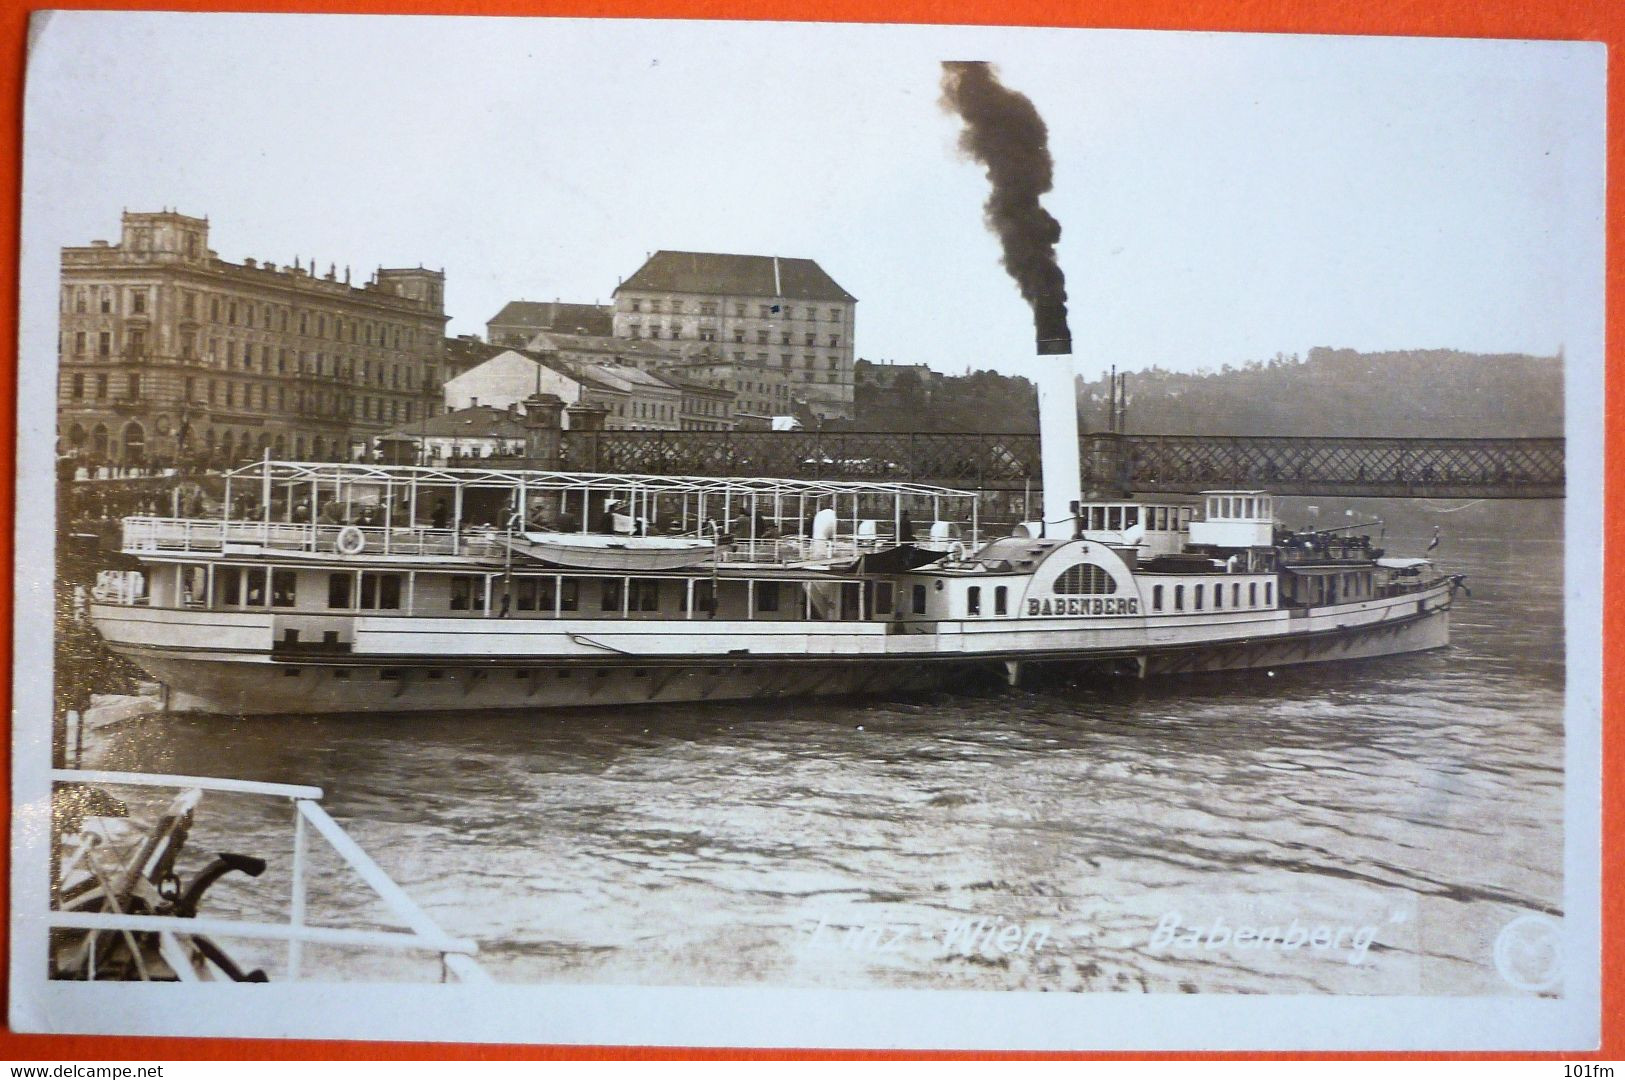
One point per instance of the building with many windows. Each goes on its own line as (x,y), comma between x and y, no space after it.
(169,353)
(704,407)
(759,391)
(784,318)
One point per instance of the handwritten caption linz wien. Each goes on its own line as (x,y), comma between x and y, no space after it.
(962,937)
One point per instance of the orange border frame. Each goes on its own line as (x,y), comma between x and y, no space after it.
(1590,20)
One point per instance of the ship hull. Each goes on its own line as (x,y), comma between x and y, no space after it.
(258,684)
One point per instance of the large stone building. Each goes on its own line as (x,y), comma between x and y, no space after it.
(521,320)
(784,318)
(170,353)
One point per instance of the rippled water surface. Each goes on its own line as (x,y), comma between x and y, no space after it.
(1064,838)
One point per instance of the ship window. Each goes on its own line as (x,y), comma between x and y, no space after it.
(1179,598)
(1184,517)
(973,600)
(467,593)
(609,594)
(381,591)
(1218,595)
(1131,516)
(1114,518)
(1001,600)
(645,595)
(1085,578)
(1252,594)
(919,599)
(1196,598)
(1156,598)
(767,596)
(570,595)
(227,585)
(1097,518)
(1235,594)
(338,590)
(1162,519)
(1269,594)
(254,587)
(884,598)
(525,594)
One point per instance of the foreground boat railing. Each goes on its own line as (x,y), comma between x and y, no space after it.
(422,935)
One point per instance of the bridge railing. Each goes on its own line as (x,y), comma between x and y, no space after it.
(1484,468)
(1287,465)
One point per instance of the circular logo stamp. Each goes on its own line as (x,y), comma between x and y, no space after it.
(1529,953)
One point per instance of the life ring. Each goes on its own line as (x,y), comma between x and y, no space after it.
(351,541)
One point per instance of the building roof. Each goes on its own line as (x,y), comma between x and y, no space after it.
(551,314)
(465,352)
(735,275)
(604,343)
(479,422)
(628,379)
(691,386)
(577,372)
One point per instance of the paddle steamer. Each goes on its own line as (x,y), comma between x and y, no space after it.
(361,588)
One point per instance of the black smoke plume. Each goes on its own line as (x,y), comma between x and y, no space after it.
(1004,132)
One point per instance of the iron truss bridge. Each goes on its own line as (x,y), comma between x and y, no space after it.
(1285,465)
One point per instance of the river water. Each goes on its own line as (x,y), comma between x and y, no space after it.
(1364,828)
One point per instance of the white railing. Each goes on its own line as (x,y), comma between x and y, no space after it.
(204,536)
(422,933)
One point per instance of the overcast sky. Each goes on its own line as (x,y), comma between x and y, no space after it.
(1223,197)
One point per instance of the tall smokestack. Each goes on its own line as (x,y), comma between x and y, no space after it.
(1004,132)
